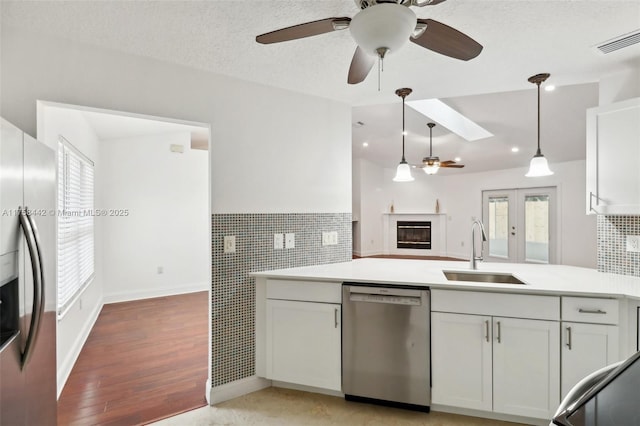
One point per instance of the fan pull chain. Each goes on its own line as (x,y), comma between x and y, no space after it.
(379,70)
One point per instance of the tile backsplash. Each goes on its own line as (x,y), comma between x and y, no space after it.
(233,291)
(612,254)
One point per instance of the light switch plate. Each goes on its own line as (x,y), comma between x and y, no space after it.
(278,241)
(330,238)
(229,243)
(633,243)
(290,240)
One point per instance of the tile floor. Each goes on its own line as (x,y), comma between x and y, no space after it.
(284,407)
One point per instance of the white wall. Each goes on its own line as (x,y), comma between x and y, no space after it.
(372,204)
(460,198)
(74,327)
(620,86)
(166,197)
(272,151)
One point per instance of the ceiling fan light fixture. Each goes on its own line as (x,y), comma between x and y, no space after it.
(431,169)
(539,166)
(387,26)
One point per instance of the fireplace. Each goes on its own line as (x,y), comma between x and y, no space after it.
(414,235)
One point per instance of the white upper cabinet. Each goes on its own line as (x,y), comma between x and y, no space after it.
(613,156)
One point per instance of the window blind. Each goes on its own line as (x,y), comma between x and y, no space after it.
(75,224)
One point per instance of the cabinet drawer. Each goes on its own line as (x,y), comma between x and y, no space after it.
(592,310)
(496,304)
(308,291)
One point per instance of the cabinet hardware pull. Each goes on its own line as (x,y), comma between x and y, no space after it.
(569,338)
(591,196)
(335,318)
(486,330)
(499,334)
(592,311)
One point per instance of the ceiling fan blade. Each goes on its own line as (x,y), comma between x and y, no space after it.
(447,41)
(448,162)
(307,29)
(361,64)
(453,166)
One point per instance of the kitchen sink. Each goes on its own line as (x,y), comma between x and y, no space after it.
(482,277)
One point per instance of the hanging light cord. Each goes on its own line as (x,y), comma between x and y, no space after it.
(538,153)
(403,159)
(430,141)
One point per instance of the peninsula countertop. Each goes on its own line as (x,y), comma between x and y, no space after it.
(538,279)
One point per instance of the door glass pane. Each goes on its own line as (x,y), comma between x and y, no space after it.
(536,220)
(499,226)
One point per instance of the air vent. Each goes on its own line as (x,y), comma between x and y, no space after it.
(620,42)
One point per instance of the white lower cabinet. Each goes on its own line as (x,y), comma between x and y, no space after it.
(585,349)
(461,360)
(526,367)
(303,343)
(505,365)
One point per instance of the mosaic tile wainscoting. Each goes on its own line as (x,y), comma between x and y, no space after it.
(233,291)
(612,254)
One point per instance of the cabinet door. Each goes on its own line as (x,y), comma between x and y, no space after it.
(613,155)
(461,360)
(526,367)
(303,343)
(585,349)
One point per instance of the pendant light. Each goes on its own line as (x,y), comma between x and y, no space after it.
(403,173)
(539,166)
(433,165)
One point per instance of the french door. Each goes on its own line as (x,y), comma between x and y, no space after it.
(521,225)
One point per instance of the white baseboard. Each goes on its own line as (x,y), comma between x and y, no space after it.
(126,296)
(489,415)
(235,389)
(72,356)
(307,388)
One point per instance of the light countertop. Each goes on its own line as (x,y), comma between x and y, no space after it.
(539,279)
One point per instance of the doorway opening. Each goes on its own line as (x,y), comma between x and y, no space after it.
(521,225)
(151,212)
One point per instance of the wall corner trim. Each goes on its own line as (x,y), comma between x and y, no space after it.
(235,389)
(67,365)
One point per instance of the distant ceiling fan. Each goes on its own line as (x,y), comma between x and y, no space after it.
(432,164)
(382,27)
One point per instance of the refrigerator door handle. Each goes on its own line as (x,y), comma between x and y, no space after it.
(36,267)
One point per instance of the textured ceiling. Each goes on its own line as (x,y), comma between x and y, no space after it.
(520,38)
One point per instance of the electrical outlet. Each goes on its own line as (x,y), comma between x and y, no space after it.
(278,241)
(330,238)
(633,243)
(229,244)
(290,240)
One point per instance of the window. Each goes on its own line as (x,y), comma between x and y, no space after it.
(75,224)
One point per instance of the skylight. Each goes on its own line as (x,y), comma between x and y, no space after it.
(448,117)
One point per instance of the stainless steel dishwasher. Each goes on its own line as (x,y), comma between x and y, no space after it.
(386,355)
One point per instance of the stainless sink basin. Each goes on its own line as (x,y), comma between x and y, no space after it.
(482,277)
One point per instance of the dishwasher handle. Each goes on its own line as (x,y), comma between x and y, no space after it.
(385,299)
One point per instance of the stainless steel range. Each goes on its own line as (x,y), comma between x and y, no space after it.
(385,345)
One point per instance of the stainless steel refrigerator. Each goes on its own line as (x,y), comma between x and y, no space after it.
(27,280)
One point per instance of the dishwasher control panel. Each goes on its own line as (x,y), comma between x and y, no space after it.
(378,298)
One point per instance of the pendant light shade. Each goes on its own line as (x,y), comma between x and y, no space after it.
(539,166)
(403,172)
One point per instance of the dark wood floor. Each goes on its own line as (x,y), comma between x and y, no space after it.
(143,361)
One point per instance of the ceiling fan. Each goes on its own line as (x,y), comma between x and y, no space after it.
(382,27)
(432,164)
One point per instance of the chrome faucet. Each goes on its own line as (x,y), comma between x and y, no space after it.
(475,258)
